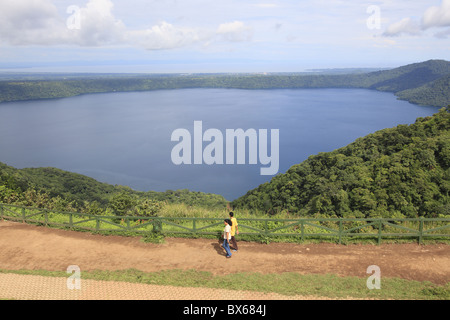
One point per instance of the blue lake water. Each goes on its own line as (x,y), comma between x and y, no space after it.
(125,138)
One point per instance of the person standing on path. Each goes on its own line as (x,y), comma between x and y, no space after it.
(234,231)
(227,237)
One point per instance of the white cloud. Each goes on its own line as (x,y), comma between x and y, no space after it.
(433,17)
(38,22)
(29,22)
(404,26)
(98,25)
(437,16)
(165,36)
(235,31)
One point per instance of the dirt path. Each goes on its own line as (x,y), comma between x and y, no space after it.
(31,247)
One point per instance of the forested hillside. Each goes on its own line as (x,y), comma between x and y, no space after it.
(397,172)
(62,190)
(423,83)
(435,93)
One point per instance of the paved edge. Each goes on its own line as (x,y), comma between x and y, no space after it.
(32,287)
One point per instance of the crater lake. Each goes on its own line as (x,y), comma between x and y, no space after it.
(125,138)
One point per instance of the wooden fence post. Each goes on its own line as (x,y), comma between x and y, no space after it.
(380,224)
(303,230)
(420,230)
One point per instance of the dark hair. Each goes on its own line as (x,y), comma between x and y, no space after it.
(228,221)
(231,214)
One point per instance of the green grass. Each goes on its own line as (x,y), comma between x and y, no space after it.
(288,284)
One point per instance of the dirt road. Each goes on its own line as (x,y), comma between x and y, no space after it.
(32,247)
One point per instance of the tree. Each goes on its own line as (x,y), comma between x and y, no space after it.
(122,203)
(147,208)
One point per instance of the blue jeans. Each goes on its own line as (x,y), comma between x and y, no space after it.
(226,246)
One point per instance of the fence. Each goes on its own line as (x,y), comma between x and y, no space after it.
(299,229)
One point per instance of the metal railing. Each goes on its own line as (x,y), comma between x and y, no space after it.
(300,228)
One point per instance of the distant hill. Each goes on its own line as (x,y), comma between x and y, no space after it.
(424,83)
(397,172)
(410,76)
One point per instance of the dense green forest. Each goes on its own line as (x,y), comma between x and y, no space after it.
(423,83)
(397,172)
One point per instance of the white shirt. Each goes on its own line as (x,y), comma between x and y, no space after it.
(227,229)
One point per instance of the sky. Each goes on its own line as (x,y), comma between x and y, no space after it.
(189,36)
